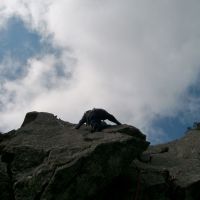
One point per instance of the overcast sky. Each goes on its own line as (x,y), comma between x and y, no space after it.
(139,59)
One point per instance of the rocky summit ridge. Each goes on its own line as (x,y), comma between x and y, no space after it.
(47,159)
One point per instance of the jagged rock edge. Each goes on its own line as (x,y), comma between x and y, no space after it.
(81,162)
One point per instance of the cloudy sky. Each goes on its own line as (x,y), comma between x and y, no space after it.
(139,59)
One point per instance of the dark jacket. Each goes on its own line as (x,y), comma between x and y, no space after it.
(96,115)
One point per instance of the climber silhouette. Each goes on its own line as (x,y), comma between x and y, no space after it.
(95,117)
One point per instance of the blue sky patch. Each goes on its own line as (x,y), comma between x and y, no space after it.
(173,127)
(18,43)
(177,126)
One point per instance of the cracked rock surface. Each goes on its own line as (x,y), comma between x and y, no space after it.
(171,171)
(47,159)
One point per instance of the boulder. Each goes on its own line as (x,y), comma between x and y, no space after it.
(48,159)
(173,170)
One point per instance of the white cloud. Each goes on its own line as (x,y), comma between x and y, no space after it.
(134,58)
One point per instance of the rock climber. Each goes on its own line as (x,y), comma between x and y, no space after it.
(95,117)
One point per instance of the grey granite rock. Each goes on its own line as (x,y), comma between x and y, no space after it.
(173,172)
(48,159)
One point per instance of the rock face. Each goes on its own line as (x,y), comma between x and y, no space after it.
(46,159)
(171,171)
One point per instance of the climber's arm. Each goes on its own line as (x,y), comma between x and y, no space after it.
(112,119)
(81,122)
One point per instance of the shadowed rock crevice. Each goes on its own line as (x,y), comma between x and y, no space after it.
(193,191)
(8,159)
(38,196)
(10,175)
